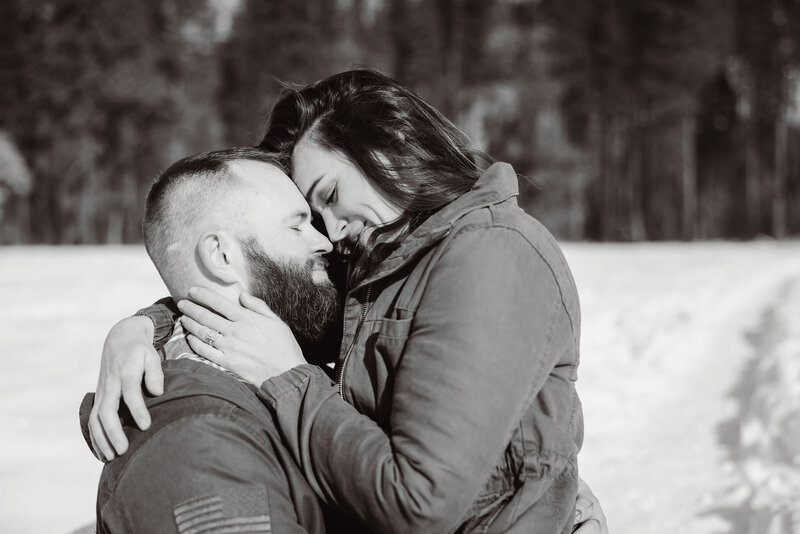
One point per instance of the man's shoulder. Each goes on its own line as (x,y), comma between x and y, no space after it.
(194,449)
(192,389)
(188,377)
(211,444)
(203,413)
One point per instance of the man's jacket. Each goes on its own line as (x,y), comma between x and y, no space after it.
(212,461)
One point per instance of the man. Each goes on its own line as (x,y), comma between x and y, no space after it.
(212,460)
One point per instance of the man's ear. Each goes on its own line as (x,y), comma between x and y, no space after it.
(217,254)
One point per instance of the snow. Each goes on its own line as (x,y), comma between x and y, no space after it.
(690,380)
(57,305)
(666,345)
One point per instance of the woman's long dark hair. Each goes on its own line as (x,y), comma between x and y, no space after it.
(408,150)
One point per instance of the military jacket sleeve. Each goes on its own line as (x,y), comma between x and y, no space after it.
(211,473)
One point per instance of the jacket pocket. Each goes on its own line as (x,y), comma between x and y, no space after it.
(389,342)
(383,351)
(396,329)
(388,339)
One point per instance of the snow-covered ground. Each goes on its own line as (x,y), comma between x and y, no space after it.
(679,344)
(670,336)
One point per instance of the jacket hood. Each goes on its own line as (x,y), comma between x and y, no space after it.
(497,184)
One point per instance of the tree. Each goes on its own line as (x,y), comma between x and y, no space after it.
(93,99)
(273,41)
(768,49)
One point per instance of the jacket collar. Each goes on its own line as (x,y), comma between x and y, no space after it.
(497,184)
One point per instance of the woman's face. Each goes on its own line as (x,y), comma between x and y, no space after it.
(339,192)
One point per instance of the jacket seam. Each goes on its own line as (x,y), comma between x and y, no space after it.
(573,416)
(283,386)
(483,225)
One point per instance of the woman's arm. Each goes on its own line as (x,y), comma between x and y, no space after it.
(488,332)
(129,354)
(163,314)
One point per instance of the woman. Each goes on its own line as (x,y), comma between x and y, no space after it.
(454,407)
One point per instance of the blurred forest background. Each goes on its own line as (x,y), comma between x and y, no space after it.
(634,119)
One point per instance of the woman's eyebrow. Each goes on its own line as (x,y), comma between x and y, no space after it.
(314,185)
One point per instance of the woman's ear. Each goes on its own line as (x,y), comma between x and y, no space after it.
(217,253)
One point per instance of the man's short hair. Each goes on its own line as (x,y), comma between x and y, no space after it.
(188,190)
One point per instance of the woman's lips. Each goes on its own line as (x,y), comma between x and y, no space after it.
(343,247)
(346,245)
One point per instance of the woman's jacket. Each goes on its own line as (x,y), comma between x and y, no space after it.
(454,408)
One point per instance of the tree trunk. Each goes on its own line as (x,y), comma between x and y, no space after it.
(401,40)
(752,176)
(448,81)
(779,227)
(611,179)
(636,175)
(688,178)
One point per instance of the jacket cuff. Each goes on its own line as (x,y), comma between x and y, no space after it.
(83,414)
(293,382)
(163,313)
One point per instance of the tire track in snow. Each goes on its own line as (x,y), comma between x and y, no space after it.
(763,440)
(663,345)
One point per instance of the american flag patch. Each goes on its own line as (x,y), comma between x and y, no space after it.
(232,510)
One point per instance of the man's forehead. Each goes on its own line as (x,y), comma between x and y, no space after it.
(264,182)
(257,171)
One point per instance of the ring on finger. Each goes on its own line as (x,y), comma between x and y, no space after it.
(211,337)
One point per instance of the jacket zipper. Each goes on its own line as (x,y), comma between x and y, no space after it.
(355,338)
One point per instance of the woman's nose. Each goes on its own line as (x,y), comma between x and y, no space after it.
(336,227)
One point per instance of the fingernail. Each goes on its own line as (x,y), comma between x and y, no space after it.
(181,305)
(577,516)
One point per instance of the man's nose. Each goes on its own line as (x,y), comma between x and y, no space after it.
(336,227)
(322,244)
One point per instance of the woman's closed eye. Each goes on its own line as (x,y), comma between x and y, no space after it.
(331,197)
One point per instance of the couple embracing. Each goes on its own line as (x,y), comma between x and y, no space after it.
(452,405)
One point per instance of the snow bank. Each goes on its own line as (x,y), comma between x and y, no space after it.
(665,352)
(57,305)
(769,436)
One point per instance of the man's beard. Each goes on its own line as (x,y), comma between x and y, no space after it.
(288,288)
